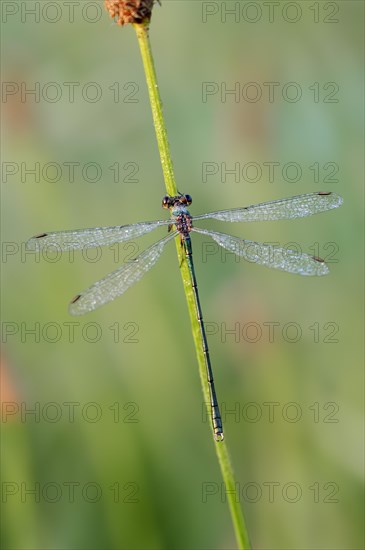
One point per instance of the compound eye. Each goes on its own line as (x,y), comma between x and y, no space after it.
(166,202)
(188,199)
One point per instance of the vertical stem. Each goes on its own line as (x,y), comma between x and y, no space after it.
(156,106)
(166,162)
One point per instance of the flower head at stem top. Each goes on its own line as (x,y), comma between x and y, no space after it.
(130,11)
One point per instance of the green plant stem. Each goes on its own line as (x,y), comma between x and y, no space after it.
(156,106)
(163,146)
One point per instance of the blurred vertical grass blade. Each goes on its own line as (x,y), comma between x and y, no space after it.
(166,162)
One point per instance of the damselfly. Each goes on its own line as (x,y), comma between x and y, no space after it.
(117,282)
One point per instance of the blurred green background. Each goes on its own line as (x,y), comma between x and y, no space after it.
(118,453)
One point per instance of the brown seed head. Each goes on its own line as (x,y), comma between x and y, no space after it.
(130,11)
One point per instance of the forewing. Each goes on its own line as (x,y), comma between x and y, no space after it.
(269,255)
(89,238)
(117,282)
(283,209)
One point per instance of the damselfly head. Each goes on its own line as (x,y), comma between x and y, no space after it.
(169,202)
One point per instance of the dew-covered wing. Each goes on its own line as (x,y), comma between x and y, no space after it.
(117,282)
(269,255)
(283,209)
(89,238)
